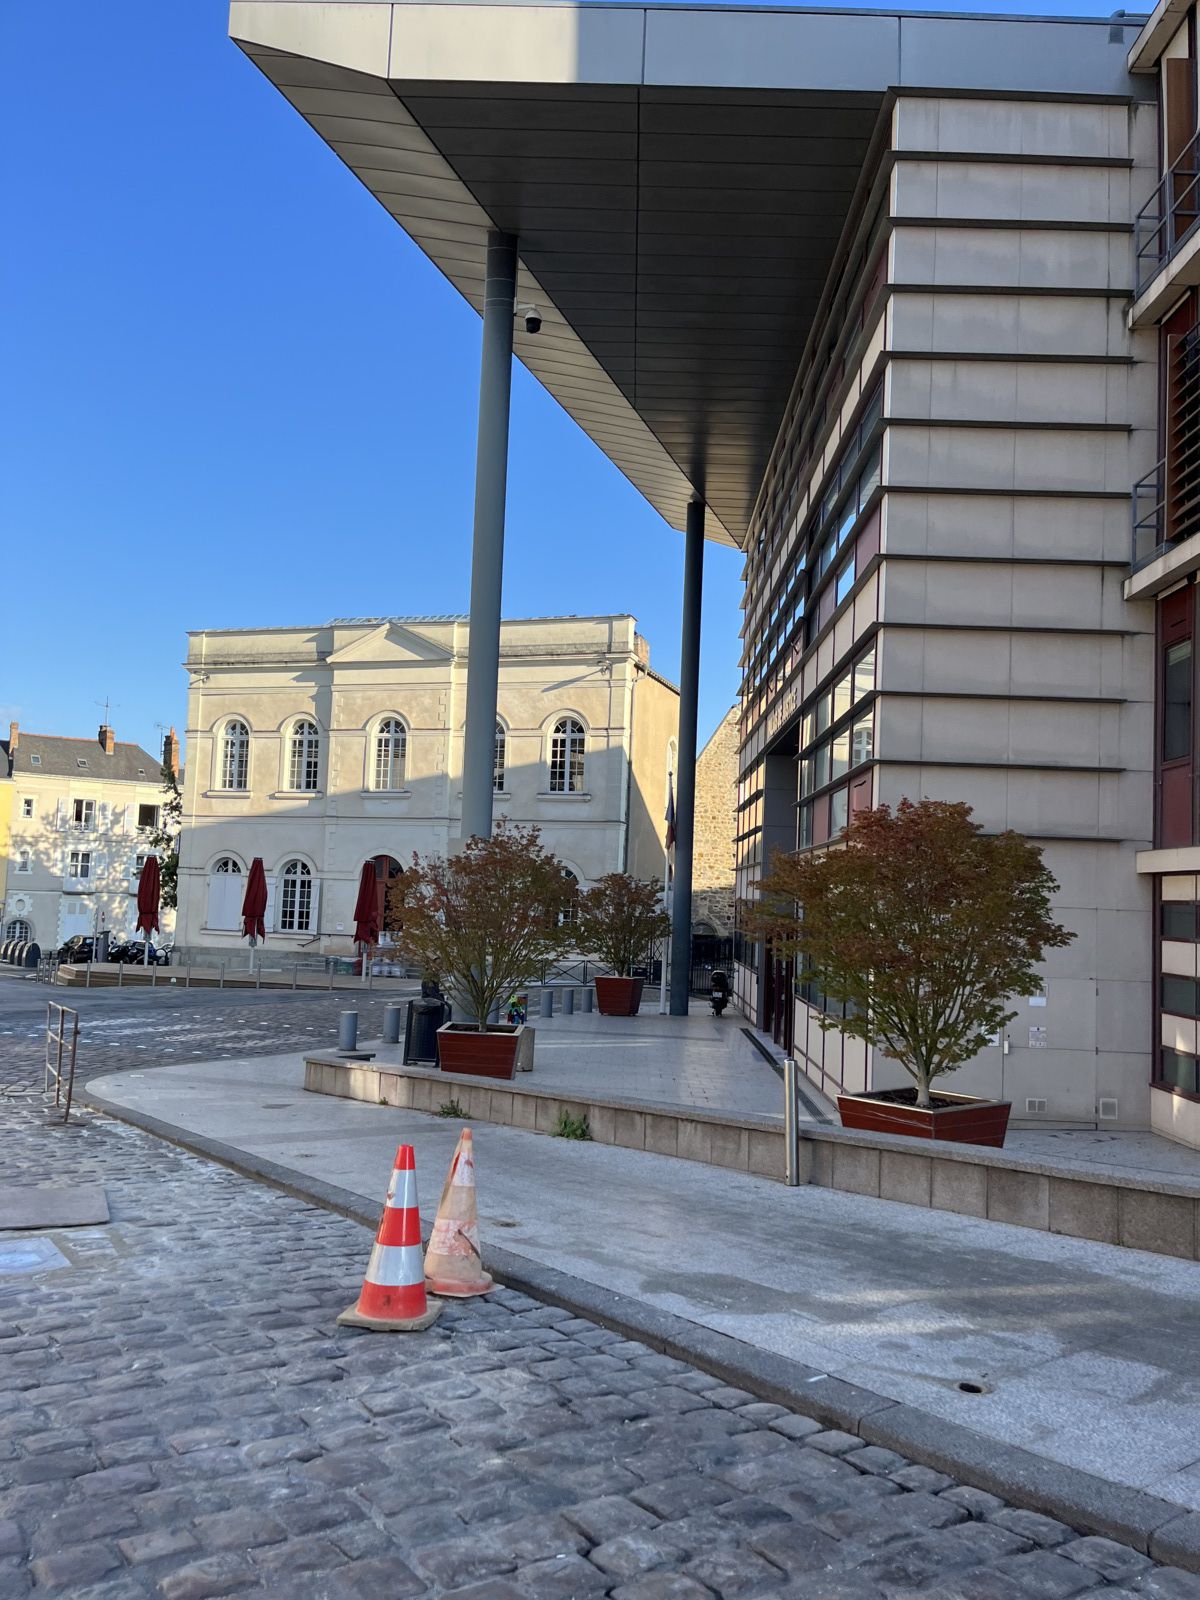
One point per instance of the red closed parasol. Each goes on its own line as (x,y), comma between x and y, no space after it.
(366,907)
(148,895)
(254,903)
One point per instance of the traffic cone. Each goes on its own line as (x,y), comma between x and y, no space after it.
(453,1263)
(393,1298)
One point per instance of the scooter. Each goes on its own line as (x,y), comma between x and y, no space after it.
(718,993)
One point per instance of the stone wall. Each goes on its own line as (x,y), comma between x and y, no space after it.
(716,809)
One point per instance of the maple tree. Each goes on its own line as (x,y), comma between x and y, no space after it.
(620,919)
(485,920)
(920,926)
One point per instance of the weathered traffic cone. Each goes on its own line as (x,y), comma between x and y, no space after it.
(453,1263)
(393,1298)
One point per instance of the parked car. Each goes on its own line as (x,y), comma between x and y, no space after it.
(77,949)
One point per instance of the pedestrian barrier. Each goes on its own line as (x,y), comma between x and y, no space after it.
(454,1261)
(393,1298)
(62,1038)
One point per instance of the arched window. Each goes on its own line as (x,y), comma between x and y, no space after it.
(566,917)
(305,760)
(18,928)
(391,750)
(227,864)
(235,756)
(566,757)
(498,767)
(295,898)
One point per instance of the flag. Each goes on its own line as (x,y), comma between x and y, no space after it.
(670,818)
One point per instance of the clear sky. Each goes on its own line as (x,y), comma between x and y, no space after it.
(234,394)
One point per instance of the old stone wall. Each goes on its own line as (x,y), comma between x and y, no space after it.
(716,807)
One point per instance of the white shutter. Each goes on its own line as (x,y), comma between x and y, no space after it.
(104,813)
(60,816)
(314,921)
(269,914)
(226,890)
(120,815)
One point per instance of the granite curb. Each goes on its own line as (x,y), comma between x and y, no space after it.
(1162,1529)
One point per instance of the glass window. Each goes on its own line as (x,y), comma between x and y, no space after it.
(83,814)
(305,759)
(1177,701)
(228,864)
(804,831)
(80,865)
(821,714)
(391,750)
(839,811)
(498,759)
(1178,1070)
(828,551)
(862,739)
(235,755)
(868,480)
(847,520)
(845,580)
(806,776)
(840,762)
(566,757)
(1178,919)
(843,695)
(147,817)
(820,765)
(864,675)
(18,928)
(26,808)
(1179,996)
(295,900)
(24,861)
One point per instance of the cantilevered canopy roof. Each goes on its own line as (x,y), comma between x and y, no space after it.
(678,180)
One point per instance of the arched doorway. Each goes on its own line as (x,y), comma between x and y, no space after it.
(387,870)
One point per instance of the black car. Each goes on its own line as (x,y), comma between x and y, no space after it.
(78,949)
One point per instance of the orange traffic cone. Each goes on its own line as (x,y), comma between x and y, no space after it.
(453,1263)
(393,1298)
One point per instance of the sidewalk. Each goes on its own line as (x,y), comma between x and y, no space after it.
(1087,1355)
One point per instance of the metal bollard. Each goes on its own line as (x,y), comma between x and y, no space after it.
(546,1005)
(568,1009)
(391,1023)
(87,982)
(348,1031)
(120,973)
(153,976)
(221,977)
(187,976)
(295,972)
(589,996)
(791,1126)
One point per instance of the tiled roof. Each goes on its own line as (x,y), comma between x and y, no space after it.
(79,758)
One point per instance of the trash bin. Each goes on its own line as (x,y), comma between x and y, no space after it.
(425,1016)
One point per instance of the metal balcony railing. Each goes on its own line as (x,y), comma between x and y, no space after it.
(1168,217)
(1149,521)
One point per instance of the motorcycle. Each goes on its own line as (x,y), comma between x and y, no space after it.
(718,994)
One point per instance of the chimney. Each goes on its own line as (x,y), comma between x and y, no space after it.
(171,753)
(108,739)
(14,736)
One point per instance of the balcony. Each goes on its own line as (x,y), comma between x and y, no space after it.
(1149,518)
(1169,217)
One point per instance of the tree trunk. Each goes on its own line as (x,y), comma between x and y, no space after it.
(923,1099)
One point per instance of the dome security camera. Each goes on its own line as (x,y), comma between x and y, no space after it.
(533,318)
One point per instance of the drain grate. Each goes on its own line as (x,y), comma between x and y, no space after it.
(972,1388)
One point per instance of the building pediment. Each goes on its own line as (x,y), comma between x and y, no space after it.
(389,644)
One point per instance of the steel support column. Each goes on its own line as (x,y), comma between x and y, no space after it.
(685,788)
(487,552)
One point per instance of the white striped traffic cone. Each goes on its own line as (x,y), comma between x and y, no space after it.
(393,1298)
(453,1263)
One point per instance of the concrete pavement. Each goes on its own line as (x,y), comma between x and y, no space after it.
(1082,1354)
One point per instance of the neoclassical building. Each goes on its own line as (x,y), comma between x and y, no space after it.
(319,749)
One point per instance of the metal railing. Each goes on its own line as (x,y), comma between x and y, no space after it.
(62,1038)
(1168,217)
(1149,501)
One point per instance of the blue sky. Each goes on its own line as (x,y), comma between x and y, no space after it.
(235,394)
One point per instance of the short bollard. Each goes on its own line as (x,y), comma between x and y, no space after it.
(589,996)
(391,1023)
(348,1031)
(546,1004)
(568,1003)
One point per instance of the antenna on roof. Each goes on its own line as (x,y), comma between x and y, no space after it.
(107,705)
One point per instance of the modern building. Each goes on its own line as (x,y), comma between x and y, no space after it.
(903,305)
(81,813)
(320,749)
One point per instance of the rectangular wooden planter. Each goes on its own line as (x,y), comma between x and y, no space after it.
(494,1054)
(965,1120)
(619,997)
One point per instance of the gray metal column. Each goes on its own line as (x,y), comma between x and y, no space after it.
(685,777)
(487,554)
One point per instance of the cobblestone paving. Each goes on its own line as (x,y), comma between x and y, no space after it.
(179,1417)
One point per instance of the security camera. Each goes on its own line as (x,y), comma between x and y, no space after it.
(533,318)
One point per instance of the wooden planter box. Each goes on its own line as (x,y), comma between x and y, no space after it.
(619,997)
(958,1117)
(494,1054)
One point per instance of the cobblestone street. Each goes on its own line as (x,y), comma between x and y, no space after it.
(180,1417)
